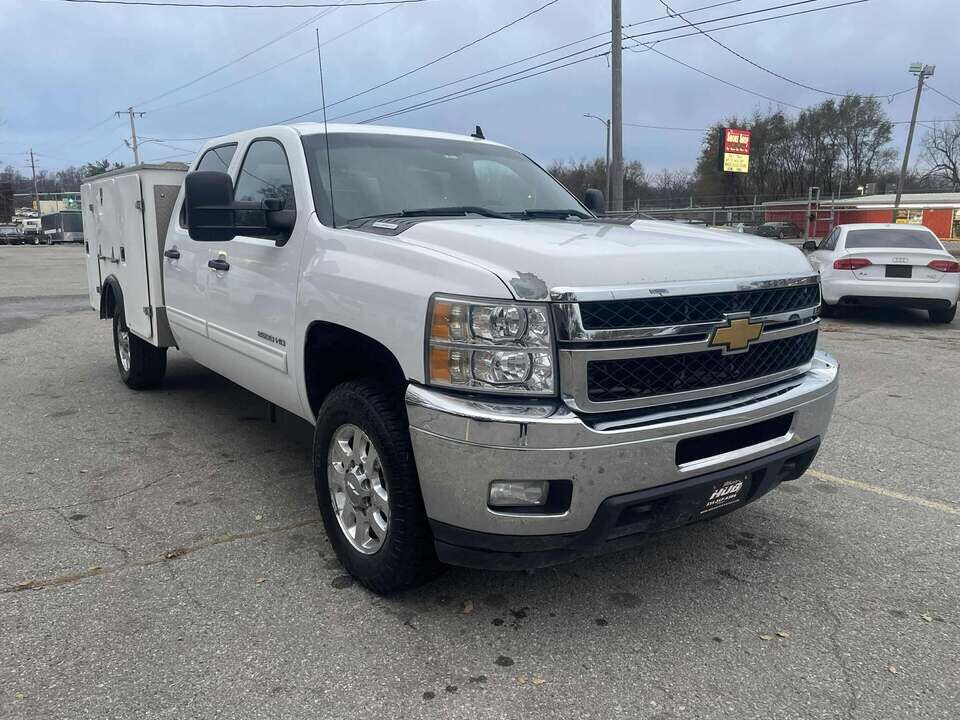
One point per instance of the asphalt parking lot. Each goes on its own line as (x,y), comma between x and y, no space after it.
(162,557)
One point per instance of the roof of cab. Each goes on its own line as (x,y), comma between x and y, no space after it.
(317,128)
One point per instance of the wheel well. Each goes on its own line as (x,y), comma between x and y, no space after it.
(110,297)
(334,354)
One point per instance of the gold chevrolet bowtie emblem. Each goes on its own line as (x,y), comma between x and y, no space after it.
(736,334)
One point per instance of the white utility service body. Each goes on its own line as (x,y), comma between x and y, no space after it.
(496,377)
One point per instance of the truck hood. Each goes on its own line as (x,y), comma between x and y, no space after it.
(534,257)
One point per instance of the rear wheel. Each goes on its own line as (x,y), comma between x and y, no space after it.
(943,316)
(827,310)
(368,489)
(141,365)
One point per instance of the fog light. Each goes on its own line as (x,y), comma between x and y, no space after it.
(516,493)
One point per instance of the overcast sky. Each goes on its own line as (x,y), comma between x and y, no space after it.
(67,66)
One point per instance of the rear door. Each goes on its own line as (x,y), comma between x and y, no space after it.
(185,270)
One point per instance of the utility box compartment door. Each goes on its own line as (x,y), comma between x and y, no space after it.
(128,258)
(91,246)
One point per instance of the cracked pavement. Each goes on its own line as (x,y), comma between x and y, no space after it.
(163,559)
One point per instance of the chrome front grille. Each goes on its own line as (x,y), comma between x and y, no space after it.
(630,348)
(640,377)
(687,309)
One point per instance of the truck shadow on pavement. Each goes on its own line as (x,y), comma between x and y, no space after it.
(705,563)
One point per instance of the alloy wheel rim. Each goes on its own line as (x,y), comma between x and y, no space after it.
(123,345)
(358,489)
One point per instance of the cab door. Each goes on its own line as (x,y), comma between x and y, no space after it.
(185,271)
(252,282)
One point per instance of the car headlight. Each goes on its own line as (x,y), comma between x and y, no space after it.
(490,346)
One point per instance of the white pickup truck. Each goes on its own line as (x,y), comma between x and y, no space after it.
(497,378)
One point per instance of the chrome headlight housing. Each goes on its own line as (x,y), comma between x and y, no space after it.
(490,346)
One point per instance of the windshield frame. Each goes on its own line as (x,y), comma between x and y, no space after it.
(317,173)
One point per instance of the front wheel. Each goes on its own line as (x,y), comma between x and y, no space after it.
(943,316)
(368,490)
(141,365)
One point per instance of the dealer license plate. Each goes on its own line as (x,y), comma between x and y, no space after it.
(726,493)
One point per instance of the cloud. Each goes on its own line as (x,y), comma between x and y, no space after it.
(73,65)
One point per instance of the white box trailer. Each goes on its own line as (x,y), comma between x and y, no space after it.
(126,213)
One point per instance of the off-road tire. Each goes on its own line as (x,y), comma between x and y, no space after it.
(148,364)
(407,557)
(943,316)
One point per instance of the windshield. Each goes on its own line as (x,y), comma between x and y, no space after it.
(376,174)
(892,238)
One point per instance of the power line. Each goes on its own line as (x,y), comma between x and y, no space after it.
(241,6)
(492,84)
(674,13)
(591,37)
(495,83)
(257,49)
(943,95)
(665,127)
(651,48)
(308,51)
(483,87)
(525,59)
(464,79)
(432,62)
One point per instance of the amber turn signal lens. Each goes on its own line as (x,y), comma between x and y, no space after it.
(440,322)
(440,364)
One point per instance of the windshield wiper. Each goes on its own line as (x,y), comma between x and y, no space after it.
(560,214)
(452,211)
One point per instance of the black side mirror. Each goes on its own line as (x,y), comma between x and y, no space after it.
(208,198)
(214,216)
(593,199)
(810,245)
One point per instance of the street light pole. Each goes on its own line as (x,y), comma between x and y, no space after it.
(606,164)
(922,72)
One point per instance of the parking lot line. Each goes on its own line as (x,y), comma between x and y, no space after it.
(923,502)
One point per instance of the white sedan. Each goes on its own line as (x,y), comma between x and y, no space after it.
(873,264)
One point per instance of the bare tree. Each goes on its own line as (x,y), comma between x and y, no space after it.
(941,154)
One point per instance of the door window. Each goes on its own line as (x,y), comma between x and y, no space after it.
(830,242)
(218,158)
(265,175)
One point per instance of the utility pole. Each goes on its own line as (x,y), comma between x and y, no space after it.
(133,132)
(33,169)
(616,112)
(606,166)
(922,72)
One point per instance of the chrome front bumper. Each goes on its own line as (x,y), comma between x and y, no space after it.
(462,445)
